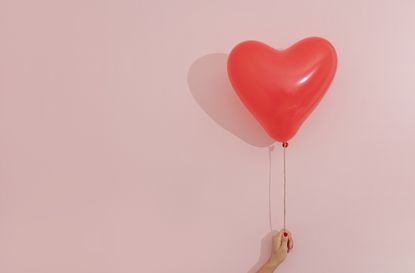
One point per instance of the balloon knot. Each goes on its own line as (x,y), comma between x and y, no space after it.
(285,144)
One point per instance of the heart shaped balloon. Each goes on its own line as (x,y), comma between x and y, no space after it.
(282,87)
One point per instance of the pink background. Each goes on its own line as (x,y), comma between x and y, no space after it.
(123,148)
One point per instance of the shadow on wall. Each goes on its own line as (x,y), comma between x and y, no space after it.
(209,84)
(264,252)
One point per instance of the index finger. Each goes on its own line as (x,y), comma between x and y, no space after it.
(276,239)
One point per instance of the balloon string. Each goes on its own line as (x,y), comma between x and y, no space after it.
(271,148)
(285,186)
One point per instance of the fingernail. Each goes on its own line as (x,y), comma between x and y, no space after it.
(285,234)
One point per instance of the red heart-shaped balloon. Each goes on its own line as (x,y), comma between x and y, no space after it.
(282,88)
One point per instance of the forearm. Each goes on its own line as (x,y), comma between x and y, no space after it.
(268,267)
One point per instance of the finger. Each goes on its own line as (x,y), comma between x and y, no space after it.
(276,240)
(290,240)
(284,246)
(284,235)
(284,239)
(290,243)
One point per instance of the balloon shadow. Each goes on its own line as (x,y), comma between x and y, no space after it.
(209,84)
(264,251)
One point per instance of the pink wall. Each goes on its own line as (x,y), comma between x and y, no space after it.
(123,149)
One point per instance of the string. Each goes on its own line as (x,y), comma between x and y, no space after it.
(285,184)
(271,148)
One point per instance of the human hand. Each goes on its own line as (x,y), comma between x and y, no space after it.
(282,243)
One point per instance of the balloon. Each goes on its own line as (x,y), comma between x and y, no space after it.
(282,88)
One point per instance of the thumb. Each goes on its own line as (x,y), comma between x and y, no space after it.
(284,239)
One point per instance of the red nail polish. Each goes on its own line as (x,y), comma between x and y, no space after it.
(285,234)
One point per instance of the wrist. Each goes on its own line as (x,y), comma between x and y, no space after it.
(272,263)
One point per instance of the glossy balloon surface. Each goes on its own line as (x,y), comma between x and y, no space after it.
(282,87)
